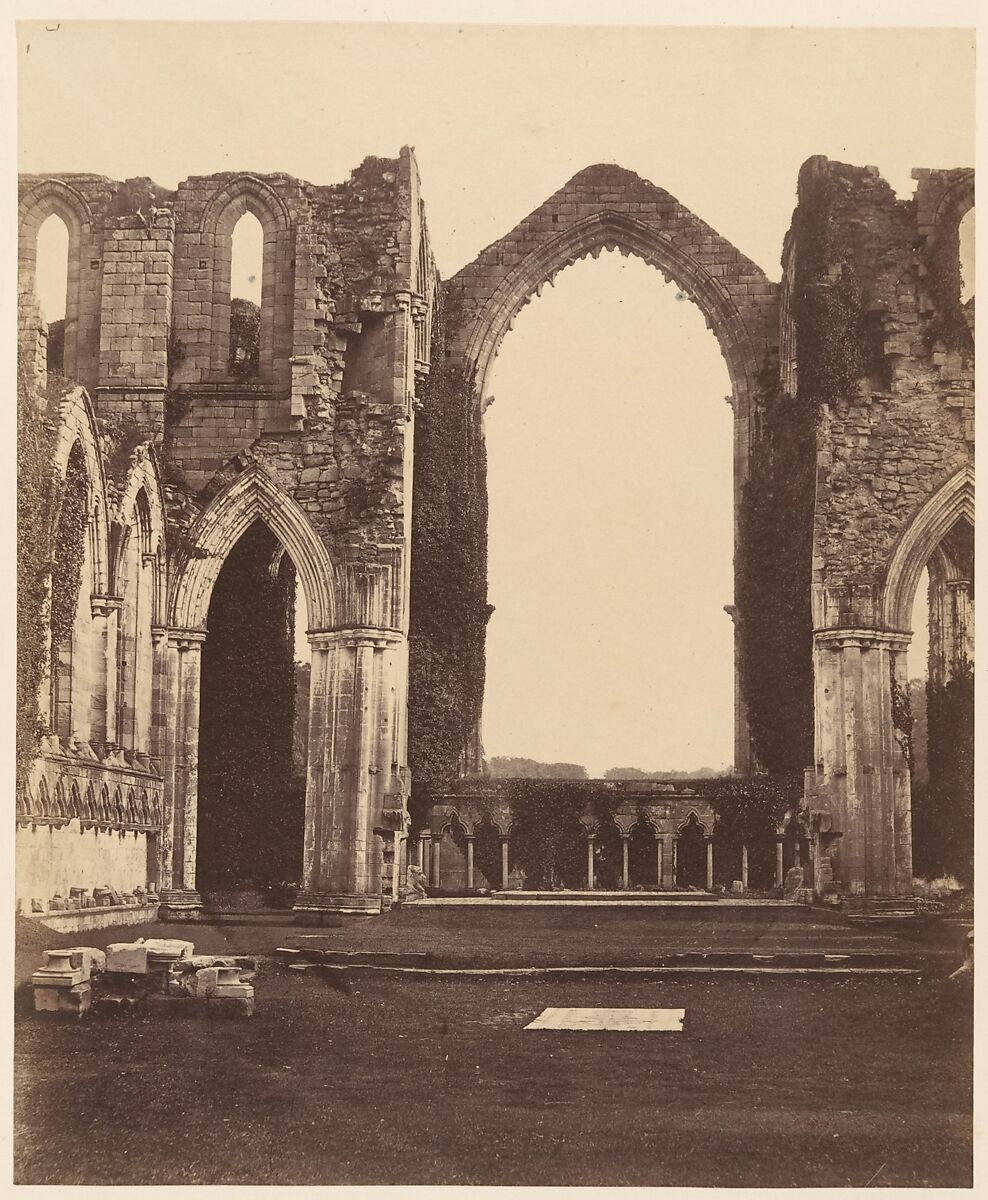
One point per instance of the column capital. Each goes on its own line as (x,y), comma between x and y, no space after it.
(865,639)
(354,637)
(187,639)
(102,606)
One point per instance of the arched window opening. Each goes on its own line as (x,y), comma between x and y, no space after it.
(251,778)
(51,286)
(941,695)
(611,446)
(71,614)
(246,291)
(966,238)
(135,654)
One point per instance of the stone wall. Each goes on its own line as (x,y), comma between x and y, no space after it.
(884,359)
(182,454)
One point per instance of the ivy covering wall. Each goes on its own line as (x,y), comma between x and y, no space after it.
(943,805)
(772,582)
(549,843)
(35,495)
(448,606)
(52,519)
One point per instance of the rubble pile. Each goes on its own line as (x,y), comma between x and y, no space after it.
(153,973)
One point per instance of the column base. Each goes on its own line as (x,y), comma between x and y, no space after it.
(309,906)
(179,905)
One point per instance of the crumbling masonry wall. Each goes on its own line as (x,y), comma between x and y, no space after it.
(879,349)
(318,445)
(862,359)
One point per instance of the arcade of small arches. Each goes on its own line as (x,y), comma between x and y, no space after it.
(646,844)
(178,459)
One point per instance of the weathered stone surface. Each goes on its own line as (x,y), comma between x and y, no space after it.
(181,454)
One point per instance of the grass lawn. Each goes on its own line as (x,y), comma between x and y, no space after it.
(498,935)
(774,1082)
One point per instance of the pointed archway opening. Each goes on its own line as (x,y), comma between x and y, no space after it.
(610,478)
(940,715)
(251,766)
(691,854)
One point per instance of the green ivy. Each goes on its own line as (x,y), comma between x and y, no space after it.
(549,843)
(448,606)
(943,810)
(749,809)
(35,497)
(69,548)
(772,581)
(827,308)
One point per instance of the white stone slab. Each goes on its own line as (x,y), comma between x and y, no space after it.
(636,1019)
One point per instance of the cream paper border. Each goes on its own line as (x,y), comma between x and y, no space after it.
(887,14)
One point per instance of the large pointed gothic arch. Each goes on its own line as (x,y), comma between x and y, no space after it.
(608,207)
(608,229)
(254,495)
(952,502)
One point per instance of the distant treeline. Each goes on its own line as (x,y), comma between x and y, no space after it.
(504,767)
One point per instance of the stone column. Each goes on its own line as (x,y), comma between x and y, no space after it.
(780,874)
(710,863)
(181,900)
(590,845)
(504,862)
(660,846)
(351,759)
(435,876)
(625,872)
(470,841)
(162,729)
(744,865)
(675,860)
(397,875)
(103,698)
(862,773)
(423,852)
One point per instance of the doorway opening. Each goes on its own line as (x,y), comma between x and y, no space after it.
(252,749)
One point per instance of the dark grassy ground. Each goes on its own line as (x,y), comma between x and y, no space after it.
(772,1083)
(530,936)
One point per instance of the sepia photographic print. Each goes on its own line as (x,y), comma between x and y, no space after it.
(495,596)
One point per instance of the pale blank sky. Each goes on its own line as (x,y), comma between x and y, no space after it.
(633,519)
(610,476)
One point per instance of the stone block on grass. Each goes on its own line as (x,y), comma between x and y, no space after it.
(130,958)
(167,950)
(73,1000)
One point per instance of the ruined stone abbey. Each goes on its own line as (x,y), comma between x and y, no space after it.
(158,459)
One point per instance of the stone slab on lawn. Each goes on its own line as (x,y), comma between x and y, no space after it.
(646,1020)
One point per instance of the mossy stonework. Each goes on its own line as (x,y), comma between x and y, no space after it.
(346,415)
